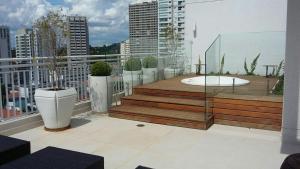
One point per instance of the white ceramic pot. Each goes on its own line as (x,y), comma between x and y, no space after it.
(56,107)
(150,75)
(131,79)
(100,93)
(171,72)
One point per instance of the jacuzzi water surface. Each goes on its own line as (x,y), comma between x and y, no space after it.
(215,81)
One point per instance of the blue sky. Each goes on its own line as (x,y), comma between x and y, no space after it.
(108,19)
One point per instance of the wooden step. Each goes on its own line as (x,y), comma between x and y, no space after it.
(165,103)
(162,116)
(169,93)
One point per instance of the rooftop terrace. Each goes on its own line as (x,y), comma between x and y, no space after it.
(125,146)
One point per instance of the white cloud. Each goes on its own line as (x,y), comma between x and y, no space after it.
(108,19)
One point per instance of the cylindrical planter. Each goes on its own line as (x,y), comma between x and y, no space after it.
(56,107)
(150,75)
(100,92)
(171,72)
(131,79)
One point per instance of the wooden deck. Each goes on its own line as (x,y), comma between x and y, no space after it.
(170,102)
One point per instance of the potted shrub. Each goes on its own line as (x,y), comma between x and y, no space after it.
(149,69)
(100,86)
(132,74)
(55,103)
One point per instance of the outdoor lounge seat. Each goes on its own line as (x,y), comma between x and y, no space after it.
(56,158)
(291,162)
(12,149)
(142,167)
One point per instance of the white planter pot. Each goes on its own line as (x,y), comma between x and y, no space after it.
(131,79)
(56,107)
(171,72)
(149,75)
(100,93)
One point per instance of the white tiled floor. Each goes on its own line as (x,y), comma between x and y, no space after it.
(125,146)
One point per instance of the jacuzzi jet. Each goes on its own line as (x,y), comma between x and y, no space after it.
(215,81)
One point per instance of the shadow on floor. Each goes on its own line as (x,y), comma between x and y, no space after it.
(77,122)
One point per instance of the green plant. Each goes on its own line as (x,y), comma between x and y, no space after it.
(227,73)
(52,32)
(222,65)
(198,69)
(278,90)
(279,68)
(252,67)
(133,64)
(150,62)
(101,68)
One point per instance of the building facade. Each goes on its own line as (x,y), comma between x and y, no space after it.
(78,41)
(171,14)
(143,27)
(24,43)
(4,42)
(5,51)
(125,47)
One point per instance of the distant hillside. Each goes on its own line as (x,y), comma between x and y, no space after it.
(111,49)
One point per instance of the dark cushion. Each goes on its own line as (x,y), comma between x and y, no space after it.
(12,148)
(291,162)
(56,158)
(142,167)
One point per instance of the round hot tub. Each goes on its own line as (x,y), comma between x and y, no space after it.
(215,81)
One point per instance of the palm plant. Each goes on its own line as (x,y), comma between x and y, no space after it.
(252,66)
(222,65)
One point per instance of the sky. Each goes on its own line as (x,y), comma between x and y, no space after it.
(107,19)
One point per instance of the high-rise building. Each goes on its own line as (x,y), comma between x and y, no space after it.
(5,51)
(125,47)
(143,27)
(24,43)
(4,42)
(171,13)
(78,41)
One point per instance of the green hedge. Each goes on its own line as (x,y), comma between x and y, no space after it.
(101,68)
(279,87)
(133,64)
(150,62)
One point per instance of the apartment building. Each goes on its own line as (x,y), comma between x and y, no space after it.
(143,27)
(78,41)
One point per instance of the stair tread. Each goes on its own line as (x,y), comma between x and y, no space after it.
(170,100)
(186,115)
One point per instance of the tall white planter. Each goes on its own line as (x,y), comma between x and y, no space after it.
(171,72)
(150,75)
(131,79)
(100,93)
(56,107)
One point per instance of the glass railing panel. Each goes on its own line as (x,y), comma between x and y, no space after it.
(245,64)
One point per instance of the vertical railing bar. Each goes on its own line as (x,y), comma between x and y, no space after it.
(31,94)
(47,78)
(1,102)
(82,83)
(26,94)
(77,83)
(20,102)
(65,77)
(6,93)
(13,92)
(85,81)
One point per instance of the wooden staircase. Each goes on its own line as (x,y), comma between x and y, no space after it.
(168,107)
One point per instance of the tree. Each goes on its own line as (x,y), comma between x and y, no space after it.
(52,30)
(171,43)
